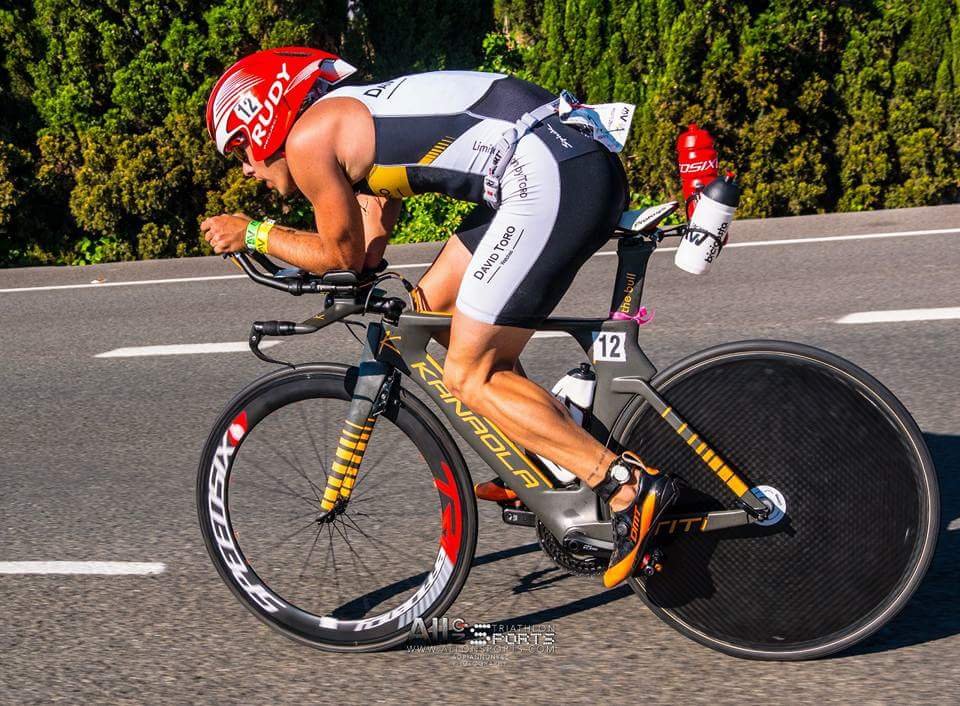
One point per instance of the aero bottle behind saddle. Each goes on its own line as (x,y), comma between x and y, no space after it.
(697,160)
(709,227)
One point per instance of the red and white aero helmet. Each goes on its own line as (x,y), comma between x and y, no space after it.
(257,99)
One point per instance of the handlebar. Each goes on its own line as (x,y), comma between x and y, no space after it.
(344,287)
(339,283)
(347,294)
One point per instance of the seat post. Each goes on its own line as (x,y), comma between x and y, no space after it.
(633,254)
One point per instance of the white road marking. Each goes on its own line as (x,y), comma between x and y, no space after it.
(550,334)
(417,265)
(98,568)
(823,239)
(184,349)
(894,315)
(99,285)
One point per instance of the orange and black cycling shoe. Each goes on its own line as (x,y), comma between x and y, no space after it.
(631,526)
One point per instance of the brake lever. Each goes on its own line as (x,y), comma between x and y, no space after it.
(255,337)
(276,328)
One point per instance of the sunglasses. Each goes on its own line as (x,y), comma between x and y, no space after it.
(240,153)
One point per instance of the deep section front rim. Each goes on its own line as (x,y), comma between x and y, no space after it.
(370,621)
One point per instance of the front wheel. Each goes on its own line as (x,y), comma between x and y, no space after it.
(357,578)
(849,464)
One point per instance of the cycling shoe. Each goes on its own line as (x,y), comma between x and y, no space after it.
(632,526)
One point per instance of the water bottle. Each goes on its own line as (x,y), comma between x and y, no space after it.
(709,226)
(697,160)
(575,391)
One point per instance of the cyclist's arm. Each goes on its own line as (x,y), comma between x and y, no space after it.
(338,244)
(379,216)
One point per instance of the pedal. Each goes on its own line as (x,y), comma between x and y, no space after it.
(652,563)
(516,516)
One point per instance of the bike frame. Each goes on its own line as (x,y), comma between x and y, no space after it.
(399,346)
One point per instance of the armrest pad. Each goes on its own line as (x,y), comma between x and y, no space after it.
(340,278)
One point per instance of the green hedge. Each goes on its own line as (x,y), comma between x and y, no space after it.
(819,106)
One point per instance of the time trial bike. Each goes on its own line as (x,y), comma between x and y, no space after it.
(339,509)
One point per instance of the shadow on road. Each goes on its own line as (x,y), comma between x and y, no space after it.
(547,615)
(934,611)
(506,554)
(362,605)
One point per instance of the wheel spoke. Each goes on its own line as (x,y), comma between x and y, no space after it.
(288,493)
(370,467)
(312,547)
(336,572)
(313,443)
(368,489)
(354,551)
(299,471)
(380,541)
(290,536)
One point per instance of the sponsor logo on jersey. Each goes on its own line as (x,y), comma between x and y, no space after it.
(500,255)
(560,138)
(521,178)
(375,91)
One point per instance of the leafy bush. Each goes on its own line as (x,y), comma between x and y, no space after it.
(817,105)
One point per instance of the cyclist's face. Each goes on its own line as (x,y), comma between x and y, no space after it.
(273,171)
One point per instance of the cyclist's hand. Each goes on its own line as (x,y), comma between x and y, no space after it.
(226,233)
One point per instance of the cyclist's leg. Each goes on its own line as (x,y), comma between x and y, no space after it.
(558,209)
(479,370)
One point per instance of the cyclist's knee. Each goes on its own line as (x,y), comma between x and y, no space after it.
(455,379)
(466,383)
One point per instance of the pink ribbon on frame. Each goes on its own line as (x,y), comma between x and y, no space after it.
(642,317)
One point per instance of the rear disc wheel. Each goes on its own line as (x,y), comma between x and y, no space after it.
(849,466)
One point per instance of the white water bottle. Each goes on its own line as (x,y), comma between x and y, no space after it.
(709,227)
(575,390)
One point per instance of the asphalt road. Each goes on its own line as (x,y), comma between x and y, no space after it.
(99,459)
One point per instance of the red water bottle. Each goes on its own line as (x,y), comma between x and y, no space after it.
(697,160)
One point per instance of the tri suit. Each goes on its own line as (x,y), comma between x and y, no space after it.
(560,197)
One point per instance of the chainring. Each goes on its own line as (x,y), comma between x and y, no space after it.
(577,564)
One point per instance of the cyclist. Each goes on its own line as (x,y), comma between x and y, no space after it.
(354,152)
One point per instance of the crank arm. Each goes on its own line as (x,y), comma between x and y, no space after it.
(596,535)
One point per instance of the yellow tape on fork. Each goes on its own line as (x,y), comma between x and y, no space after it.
(707,455)
(346,462)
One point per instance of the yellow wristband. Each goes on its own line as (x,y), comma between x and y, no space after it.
(263,231)
(250,237)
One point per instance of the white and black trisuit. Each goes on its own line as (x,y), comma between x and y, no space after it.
(561,196)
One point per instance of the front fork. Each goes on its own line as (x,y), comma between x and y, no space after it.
(370,395)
